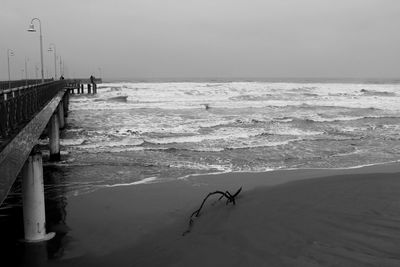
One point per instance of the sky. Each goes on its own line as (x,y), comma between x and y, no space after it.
(204,38)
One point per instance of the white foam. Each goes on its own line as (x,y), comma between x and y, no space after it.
(225,133)
(200,166)
(144,181)
(282,130)
(71,142)
(257,143)
(266,169)
(223,95)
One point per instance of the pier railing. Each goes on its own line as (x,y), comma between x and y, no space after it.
(19,83)
(19,105)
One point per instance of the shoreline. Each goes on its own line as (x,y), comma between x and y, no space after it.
(141,225)
(343,170)
(372,165)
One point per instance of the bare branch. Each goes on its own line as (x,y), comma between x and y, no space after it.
(229,199)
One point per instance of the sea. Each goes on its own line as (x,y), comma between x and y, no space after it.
(148,132)
(132,132)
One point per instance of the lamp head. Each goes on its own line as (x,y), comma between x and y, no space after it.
(31,28)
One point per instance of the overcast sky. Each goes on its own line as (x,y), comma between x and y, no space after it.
(206,38)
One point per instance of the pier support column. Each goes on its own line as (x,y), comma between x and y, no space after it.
(82,89)
(66,105)
(89,88)
(94,88)
(54,136)
(33,199)
(60,111)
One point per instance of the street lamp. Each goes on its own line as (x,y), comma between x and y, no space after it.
(53,46)
(61,70)
(9,53)
(32,29)
(26,70)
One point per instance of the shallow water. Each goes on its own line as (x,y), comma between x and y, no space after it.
(171,130)
(132,133)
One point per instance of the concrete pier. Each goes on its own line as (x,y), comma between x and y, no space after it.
(89,87)
(66,105)
(60,112)
(25,111)
(54,136)
(33,199)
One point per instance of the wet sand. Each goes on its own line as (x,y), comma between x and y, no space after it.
(282,218)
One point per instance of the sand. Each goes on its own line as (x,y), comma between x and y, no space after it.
(281,218)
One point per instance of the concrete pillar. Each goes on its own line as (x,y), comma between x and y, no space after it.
(60,111)
(54,136)
(65,105)
(33,199)
(89,88)
(94,88)
(82,89)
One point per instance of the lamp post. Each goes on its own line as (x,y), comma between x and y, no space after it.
(9,53)
(32,29)
(53,46)
(26,70)
(61,70)
(36,71)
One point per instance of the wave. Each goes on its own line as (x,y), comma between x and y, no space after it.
(377,93)
(253,97)
(338,119)
(120,98)
(144,181)
(283,168)
(72,142)
(225,133)
(304,88)
(290,131)
(283,119)
(200,166)
(319,106)
(264,144)
(311,94)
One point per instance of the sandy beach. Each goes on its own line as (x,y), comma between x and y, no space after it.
(281,218)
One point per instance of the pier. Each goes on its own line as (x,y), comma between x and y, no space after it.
(27,109)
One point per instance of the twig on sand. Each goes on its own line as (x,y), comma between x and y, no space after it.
(230,198)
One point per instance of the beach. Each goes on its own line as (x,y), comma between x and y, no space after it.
(347,217)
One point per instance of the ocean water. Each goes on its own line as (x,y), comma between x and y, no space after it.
(132,133)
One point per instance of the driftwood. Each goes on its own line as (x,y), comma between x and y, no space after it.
(230,198)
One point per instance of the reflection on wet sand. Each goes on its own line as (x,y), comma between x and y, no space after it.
(56,203)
